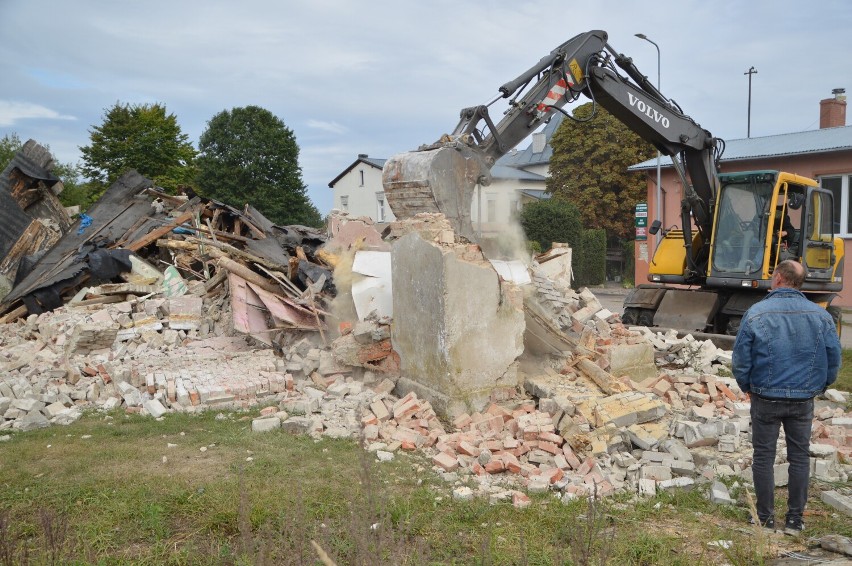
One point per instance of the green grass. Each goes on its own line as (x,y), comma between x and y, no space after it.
(262,498)
(844,376)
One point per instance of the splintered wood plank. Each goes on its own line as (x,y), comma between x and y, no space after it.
(154,234)
(34,238)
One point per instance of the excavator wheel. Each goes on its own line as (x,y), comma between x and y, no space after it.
(733,325)
(630,316)
(634,316)
(646,317)
(837,315)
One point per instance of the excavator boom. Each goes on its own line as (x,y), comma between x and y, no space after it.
(442,177)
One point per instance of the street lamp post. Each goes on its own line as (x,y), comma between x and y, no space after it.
(659,193)
(750,72)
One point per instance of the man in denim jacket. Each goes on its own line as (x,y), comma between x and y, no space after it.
(786,353)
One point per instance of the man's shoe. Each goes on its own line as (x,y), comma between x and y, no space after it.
(768,524)
(794,527)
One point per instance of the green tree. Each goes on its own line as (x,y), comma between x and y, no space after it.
(75,191)
(248,155)
(10,144)
(552,220)
(589,169)
(141,137)
(590,261)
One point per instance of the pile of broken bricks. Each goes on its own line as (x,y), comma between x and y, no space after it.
(580,424)
(563,435)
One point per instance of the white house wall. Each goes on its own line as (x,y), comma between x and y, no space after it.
(505,200)
(362,199)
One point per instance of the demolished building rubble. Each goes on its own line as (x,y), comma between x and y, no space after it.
(555,393)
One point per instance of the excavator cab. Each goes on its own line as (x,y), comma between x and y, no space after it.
(764,217)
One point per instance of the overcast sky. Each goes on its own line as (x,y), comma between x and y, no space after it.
(384,76)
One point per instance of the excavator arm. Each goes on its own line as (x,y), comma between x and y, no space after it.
(442,177)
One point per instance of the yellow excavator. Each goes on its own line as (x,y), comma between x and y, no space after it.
(735,227)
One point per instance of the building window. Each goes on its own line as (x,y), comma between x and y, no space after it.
(344,202)
(380,207)
(514,209)
(361,171)
(840,187)
(491,210)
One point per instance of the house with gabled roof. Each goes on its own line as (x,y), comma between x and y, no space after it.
(824,155)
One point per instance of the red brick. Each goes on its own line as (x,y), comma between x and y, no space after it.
(445,461)
(661,387)
(406,409)
(551,437)
(469,449)
(554,474)
(375,351)
(726,391)
(520,500)
(586,466)
(548,447)
(712,390)
(462,421)
(104,374)
(495,467)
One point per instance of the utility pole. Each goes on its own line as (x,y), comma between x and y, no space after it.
(750,72)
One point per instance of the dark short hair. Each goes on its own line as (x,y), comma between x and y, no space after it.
(791,272)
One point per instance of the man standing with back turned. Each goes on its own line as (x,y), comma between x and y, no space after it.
(786,353)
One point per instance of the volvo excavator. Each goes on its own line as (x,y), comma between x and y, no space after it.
(734,227)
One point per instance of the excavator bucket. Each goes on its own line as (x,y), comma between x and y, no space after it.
(436,180)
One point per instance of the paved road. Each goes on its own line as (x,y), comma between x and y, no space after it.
(612,298)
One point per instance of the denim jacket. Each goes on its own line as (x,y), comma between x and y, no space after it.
(787,347)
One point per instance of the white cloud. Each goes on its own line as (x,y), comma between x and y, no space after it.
(330,127)
(12,112)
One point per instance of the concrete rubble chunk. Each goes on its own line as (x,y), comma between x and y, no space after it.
(647,435)
(265,424)
(842,503)
(54,410)
(154,408)
(297,425)
(625,409)
(720,495)
(468,345)
(32,421)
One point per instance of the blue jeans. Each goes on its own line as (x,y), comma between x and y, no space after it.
(767,416)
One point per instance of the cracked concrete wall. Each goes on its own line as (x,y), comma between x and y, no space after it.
(457,328)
